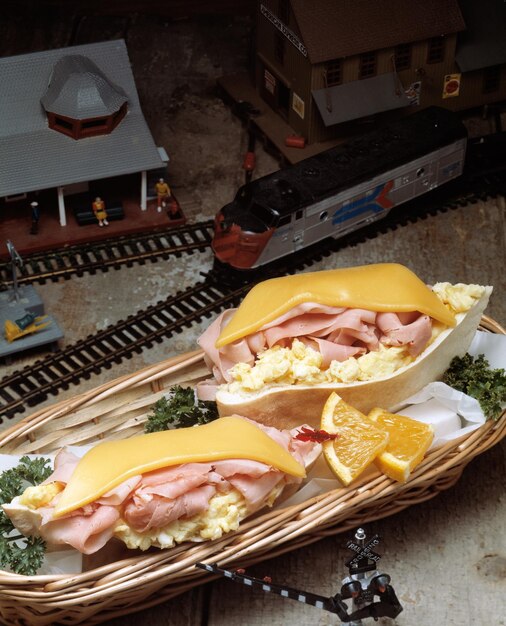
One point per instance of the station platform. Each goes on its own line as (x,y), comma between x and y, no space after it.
(16,226)
(238,90)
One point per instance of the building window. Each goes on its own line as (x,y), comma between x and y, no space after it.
(284,11)
(279,48)
(367,65)
(333,73)
(436,50)
(491,79)
(63,123)
(402,57)
(100,122)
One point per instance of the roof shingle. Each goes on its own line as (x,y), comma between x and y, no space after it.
(36,157)
(332,29)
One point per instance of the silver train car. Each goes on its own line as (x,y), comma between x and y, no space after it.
(340,190)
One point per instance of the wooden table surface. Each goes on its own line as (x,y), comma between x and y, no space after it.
(447,556)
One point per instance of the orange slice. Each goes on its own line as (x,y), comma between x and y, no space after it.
(358,443)
(409,441)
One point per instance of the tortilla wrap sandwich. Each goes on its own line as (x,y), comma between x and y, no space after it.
(373,334)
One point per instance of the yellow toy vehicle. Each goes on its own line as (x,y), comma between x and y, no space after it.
(26,325)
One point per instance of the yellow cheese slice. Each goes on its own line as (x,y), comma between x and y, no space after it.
(109,463)
(382,287)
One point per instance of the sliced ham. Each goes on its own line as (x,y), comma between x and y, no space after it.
(337,333)
(146,512)
(415,333)
(256,490)
(300,326)
(232,467)
(152,501)
(64,464)
(331,351)
(120,493)
(86,533)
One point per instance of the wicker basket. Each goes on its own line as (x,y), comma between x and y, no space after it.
(118,409)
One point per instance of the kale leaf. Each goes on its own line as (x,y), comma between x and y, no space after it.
(180,410)
(475,378)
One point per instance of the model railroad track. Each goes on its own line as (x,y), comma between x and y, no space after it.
(35,383)
(109,254)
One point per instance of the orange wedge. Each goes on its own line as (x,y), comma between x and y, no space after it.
(409,441)
(358,443)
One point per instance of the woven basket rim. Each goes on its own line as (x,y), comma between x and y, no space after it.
(267,534)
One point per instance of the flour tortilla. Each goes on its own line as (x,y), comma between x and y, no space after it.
(288,406)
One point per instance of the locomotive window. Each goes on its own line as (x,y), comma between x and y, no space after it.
(420,171)
(283,221)
(299,215)
(323,216)
(262,213)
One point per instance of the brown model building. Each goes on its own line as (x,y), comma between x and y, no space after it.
(328,66)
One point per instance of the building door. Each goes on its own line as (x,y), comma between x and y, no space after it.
(275,92)
(283,99)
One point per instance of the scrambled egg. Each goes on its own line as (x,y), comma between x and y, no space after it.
(458,298)
(300,364)
(223,515)
(279,366)
(36,496)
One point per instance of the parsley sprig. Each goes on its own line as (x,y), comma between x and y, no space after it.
(475,378)
(23,559)
(180,410)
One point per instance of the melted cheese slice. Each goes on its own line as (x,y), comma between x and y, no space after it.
(108,464)
(382,287)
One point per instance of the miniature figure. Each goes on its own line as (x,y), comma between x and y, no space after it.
(98,207)
(361,586)
(163,194)
(35,218)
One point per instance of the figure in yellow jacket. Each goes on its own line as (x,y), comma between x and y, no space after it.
(163,193)
(100,212)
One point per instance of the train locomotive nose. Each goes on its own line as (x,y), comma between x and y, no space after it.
(235,244)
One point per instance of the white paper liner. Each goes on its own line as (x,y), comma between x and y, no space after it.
(453,413)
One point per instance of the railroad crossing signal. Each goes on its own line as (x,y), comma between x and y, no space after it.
(359,587)
(365,559)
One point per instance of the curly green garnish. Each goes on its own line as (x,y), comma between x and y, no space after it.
(180,410)
(475,378)
(23,555)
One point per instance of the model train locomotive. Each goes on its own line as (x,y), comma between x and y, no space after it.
(339,190)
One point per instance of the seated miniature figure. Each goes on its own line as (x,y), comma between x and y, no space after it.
(163,194)
(98,207)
